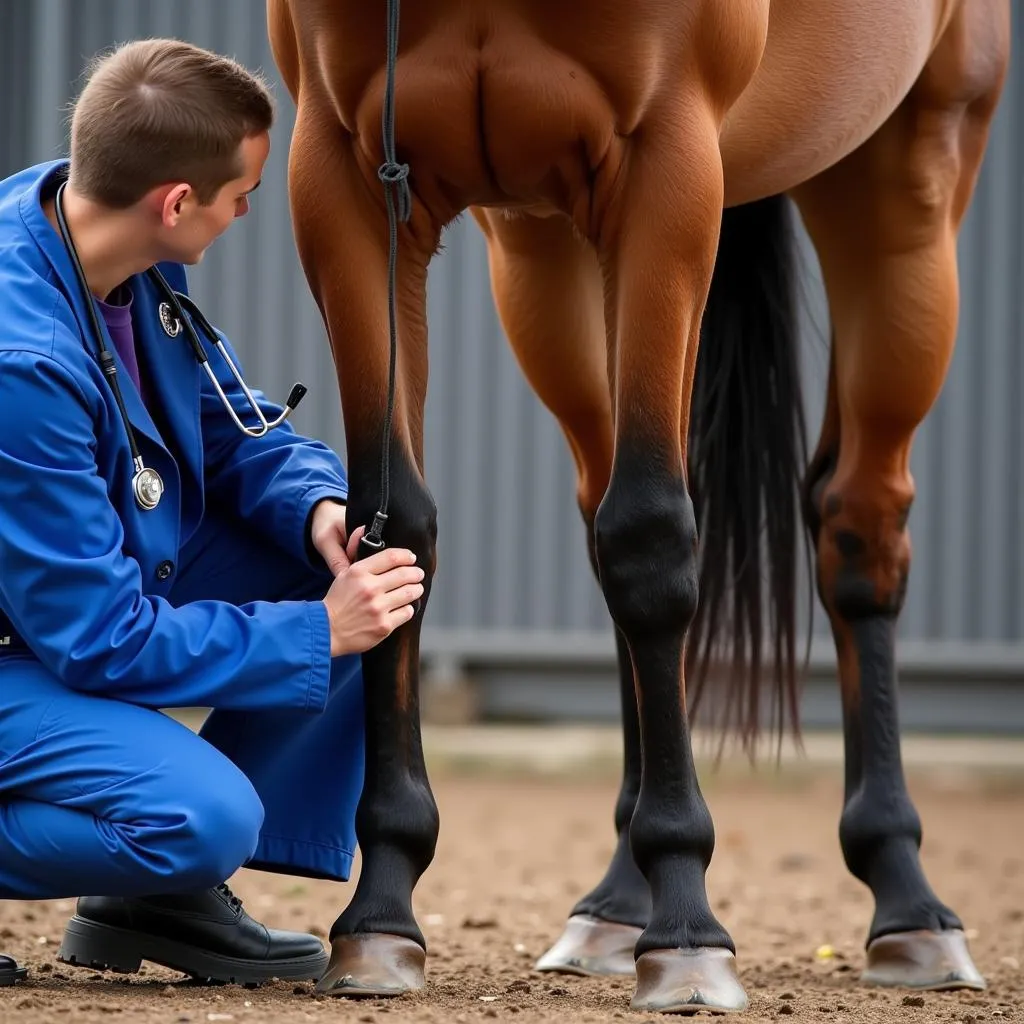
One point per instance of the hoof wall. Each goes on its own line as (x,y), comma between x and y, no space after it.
(373,965)
(688,980)
(593,948)
(922,960)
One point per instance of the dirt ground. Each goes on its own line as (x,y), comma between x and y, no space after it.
(514,855)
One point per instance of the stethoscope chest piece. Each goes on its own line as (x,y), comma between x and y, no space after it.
(168,321)
(147,487)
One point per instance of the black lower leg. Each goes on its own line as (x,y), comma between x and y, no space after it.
(880,830)
(646,519)
(623,895)
(397,821)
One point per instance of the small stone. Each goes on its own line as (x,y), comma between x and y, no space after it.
(167,990)
(482,921)
(913,1000)
(1010,961)
(518,986)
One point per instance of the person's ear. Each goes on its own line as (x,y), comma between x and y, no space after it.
(172,202)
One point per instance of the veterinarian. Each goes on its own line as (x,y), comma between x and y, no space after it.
(164,543)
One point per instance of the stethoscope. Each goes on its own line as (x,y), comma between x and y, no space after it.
(147,486)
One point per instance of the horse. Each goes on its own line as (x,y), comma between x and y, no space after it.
(637,170)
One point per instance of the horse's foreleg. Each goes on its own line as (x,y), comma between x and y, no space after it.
(342,235)
(885,225)
(549,293)
(658,246)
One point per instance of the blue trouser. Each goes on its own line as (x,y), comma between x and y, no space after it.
(99,797)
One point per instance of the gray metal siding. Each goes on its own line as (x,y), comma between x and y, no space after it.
(513,564)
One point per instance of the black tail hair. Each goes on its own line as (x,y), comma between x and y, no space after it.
(746,452)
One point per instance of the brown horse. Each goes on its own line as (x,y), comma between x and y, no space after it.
(632,165)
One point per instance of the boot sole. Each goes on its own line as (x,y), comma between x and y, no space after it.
(102,947)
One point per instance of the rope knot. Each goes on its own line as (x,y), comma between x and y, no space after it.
(395,174)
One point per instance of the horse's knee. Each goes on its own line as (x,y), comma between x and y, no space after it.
(645,537)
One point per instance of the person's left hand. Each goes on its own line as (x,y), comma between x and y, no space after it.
(328,535)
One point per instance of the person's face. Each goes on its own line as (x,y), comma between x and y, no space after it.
(189,228)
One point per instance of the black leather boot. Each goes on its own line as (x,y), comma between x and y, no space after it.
(207,935)
(10,972)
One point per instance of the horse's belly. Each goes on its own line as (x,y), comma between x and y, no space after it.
(833,71)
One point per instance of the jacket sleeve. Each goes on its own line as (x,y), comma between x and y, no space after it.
(273,481)
(77,600)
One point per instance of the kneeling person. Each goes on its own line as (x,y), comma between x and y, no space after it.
(233,586)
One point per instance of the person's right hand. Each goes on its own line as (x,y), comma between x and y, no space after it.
(371,598)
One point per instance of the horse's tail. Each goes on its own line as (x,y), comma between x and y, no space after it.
(747,450)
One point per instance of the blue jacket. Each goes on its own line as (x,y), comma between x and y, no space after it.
(79,579)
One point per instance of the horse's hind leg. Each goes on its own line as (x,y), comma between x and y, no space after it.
(885,224)
(548,289)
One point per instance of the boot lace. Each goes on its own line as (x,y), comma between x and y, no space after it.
(234,901)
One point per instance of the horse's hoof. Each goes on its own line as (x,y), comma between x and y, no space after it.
(592,947)
(922,959)
(373,965)
(688,980)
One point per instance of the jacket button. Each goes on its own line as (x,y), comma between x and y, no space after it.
(164,570)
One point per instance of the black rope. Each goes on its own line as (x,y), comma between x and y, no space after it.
(395,177)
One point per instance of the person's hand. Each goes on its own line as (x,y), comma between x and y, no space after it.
(371,598)
(328,535)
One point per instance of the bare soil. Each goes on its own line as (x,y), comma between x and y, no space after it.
(514,855)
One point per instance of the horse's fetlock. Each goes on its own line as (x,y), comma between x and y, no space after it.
(871,819)
(662,827)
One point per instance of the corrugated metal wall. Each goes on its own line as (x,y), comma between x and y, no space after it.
(514,576)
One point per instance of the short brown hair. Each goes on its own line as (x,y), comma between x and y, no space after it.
(159,110)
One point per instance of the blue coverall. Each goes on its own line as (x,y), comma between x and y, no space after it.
(109,613)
